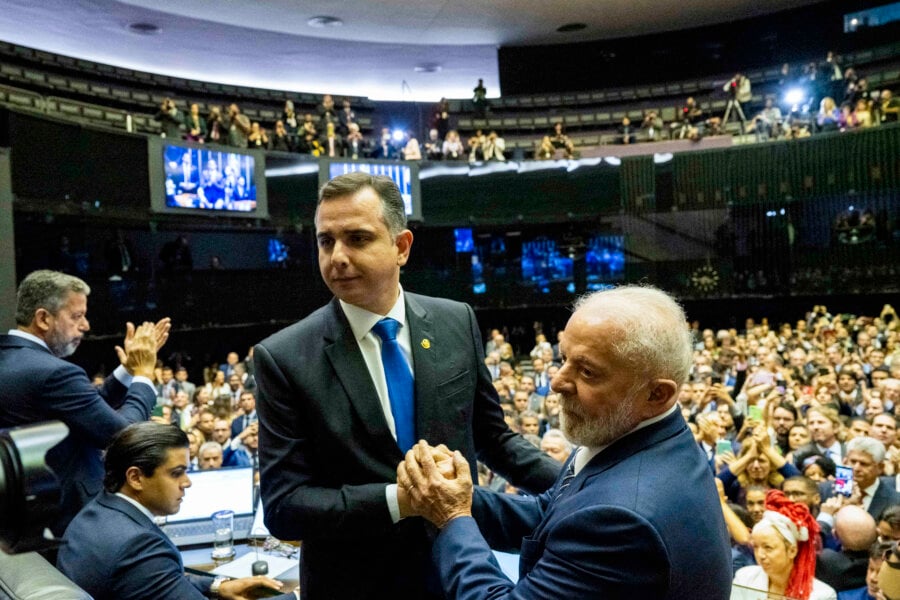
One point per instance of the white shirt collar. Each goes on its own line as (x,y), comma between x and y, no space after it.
(137,505)
(587,453)
(362,321)
(28,336)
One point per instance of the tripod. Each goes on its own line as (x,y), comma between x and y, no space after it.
(734,104)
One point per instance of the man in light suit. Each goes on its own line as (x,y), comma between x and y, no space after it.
(634,513)
(36,384)
(329,432)
(114,549)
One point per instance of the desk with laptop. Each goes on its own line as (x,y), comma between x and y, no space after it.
(192,530)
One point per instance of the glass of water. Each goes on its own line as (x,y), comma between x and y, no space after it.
(223,541)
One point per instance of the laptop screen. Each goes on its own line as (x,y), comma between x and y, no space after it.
(215,490)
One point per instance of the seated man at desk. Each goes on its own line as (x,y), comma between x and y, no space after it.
(114,549)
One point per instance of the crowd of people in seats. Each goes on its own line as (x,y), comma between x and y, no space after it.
(772,408)
(219,416)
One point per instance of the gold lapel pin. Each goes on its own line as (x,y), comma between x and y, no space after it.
(426,344)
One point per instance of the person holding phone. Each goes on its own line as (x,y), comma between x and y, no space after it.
(865,456)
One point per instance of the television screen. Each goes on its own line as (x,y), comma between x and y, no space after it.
(404,174)
(605,259)
(193,178)
(464,240)
(278,251)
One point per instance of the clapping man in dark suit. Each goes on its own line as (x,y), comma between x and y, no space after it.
(36,384)
(344,393)
(632,515)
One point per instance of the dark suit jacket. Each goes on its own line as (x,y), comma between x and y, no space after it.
(36,386)
(843,570)
(638,522)
(886,495)
(327,455)
(114,551)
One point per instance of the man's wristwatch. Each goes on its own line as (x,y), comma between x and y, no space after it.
(215,585)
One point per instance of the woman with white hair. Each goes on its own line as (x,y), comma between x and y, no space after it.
(784,545)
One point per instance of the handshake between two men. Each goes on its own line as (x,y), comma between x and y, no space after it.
(434,483)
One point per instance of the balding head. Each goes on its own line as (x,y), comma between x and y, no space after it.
(855,528)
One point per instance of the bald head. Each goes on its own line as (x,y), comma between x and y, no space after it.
(855,528)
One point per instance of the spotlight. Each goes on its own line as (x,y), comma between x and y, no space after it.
(398,135)
(795,96)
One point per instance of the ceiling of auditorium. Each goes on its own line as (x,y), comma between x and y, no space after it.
(375,52)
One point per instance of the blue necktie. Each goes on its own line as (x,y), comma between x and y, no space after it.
(399,382)
(566,481)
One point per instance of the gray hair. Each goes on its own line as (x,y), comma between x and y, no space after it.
(657,341)
(211,445)
(48,290)
(870,446)
(393,210)
(556,434)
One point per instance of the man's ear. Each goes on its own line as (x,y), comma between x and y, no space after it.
(134,478)
(662,391)
(41,319)
(404,242)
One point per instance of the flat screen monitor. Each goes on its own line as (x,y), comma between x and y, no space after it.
(404,174)
(206,179)
(464,240)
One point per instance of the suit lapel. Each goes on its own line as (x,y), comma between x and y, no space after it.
(351,370)
(424,351)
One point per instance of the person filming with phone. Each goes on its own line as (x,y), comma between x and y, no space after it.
(865,456)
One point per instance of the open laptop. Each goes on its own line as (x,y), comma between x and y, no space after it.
(212,491)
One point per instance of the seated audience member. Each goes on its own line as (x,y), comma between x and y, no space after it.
(113,548)
(289,118)
(494,147)
(385,148)
(862,116)
(281,140)
(434,146)
(561,141)
(346,117)
(545,150)
(222,436)
(327,111)
(355,144)
(889,524)
(209,457)
(769,122)
(784,546)
(692,120)
(652,125)
(889,107)
(528,422)
(452,148)
(557,447)
(331,143)
(412,151)
(829,116)
(846,569)
(626,132)
(247,414)
(476,146)
(757,464)
(195,125)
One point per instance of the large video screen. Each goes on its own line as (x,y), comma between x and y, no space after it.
(405,175)
(206,179)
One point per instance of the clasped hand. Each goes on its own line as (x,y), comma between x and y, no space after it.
(435,484)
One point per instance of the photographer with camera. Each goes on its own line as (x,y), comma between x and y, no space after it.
(738,89)
(170,119)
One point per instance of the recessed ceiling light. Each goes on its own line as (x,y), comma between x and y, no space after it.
(427,68)
(324,21)
(144,28)
(570,27)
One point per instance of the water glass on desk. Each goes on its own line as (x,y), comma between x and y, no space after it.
(223,542)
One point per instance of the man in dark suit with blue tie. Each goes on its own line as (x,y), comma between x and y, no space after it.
(36,384)
(344,393)
(634,514)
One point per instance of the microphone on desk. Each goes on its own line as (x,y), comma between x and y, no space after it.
(260,567)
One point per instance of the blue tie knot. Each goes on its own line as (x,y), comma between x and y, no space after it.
(387,329)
